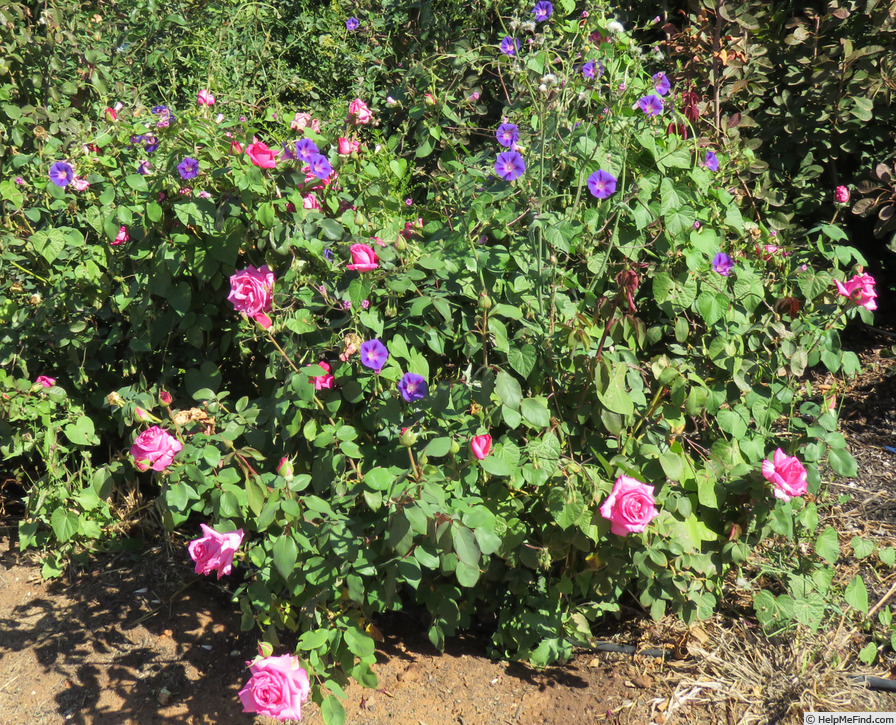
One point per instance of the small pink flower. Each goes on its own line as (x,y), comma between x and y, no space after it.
(205,195)
(205,98)
(261,155)
(141,414)
(365,304)
(214,551)
(630,506)
(219,118)
(787,474)
(121,237)
(79,184)
(236,148)
(20,181)
(358,113)
(481,445)
(326,380)
(45,381)
(860,289)
(251,292)
(111,115)
(841,195)
(364,259)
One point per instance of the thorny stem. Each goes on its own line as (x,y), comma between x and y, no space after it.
(282,351)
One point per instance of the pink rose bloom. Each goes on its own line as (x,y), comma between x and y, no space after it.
(860,289)
(841,195)
(358,113)
(348,146)
(278,688)
(364,259)
(261,155)
(788,475)
(301,121)
(155,448)
(205,98)
(630,507)
(214,551)
(309,201)
(481,445)
(251,291)
(121,237)
(326,380)
(45,382)
(79,184)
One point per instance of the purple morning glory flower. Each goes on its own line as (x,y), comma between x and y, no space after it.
(305,149)
(412,387)
(651,105)
(509,46)
(160,109)
(374,355)
(143,168)
(661,83)
(542,11)
(188,168)
(328,255)
(288,154)
(711,161)
(723,264)
(320,166)
(601,184)
(61,173)
(150,143)
(352,23)
(588,69)
(509,165)
(508,134)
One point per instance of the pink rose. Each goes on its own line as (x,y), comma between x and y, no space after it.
(205,98)
(45,382)
(261,155)
(111,115)
(309,201)
(301,121)
(630,507)
(277,688)
(236,148)
(121,237)
(251,291)
(79,184)
(358,113)
(155,448)
(841,195)
(364,259)
(860,289)
(788,475)
(481,445)
(348,146)
(326,380)
(214,551)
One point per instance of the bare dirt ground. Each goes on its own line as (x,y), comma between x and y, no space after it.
(138,639)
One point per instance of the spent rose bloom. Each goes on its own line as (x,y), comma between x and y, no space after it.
(121,237)
(481,445)
(358,113)
(787,474)
(841,195)
(251,291)
(278,688)
(214,551)
(301,121)
(155,448)
(326,380)
(205,98)
(261,155)
(630,506)
(860,289)
(45,382)
(364,259)
(309,201)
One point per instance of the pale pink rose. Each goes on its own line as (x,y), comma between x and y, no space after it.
(481,445)
(278,688)
(787,474)
(155,448)
(79,184)
(205,98)
(860,289)
(121,237)
(301,121)
(45,381)
(364,259)
(309,201)
(630,507)
(261,155)
(214,551)
(219,118)
(251,292)
(326,380)
(358,113)
(841,195)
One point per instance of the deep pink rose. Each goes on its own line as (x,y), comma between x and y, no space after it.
(165,397)
(121,237)
(251,291)
(45,382)
(630,507)
(309,201)
(841,195)
(788,475)
(155,448)
(326,380)
(358,113)
(277,688)
(481,445)
(860,289)
(348,145)
(205,98)
(261,155)
(214,551)
(364,259)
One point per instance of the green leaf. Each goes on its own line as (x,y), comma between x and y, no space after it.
(862,547)
(467,575)
(615,396)
(332,710)
(137,182)
(856,594)
(465,545)
(437,447)
(522,359)
(535,412)
(65,524)
(314,639)
(827,545)
(887,555)
(359,643)
(508,390)
(868,653)
(48,243)
(843,463)
(82,432)
(285,554)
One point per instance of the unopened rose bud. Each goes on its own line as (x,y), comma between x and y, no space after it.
(165,397)
(408,437)
(485,302)
(285,468)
